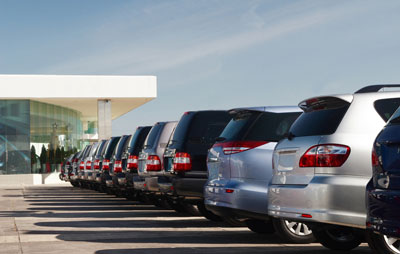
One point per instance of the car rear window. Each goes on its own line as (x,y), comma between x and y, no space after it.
(386,107)
(321,116)
(137,140)
(121,146)
(152,137)
(110,147)
(197,131)
(259,126)
(395,119)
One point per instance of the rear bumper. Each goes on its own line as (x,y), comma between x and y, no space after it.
(139,183)
(152,184)
(244,195)
(189,187)
(331,199)
(384,211)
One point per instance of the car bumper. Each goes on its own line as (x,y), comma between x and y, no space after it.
(329,199)
(152,184)
(249,195)
(139,183)
(189,187)
(384,212)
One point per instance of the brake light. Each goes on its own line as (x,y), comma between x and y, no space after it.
(327,155)
(304,215)
(82,165)
(88,164)
(374,158)
(132,162)
(68,163)
(153,163)
(182,162)
(106,164)
(118,167)
(96,164)
(233,147)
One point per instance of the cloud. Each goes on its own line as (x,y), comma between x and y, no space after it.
(166,51)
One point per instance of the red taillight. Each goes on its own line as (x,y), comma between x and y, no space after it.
(153,163)
(132,162)
(118,167)
(304,215)
(233,147)
(326,155)
(89,165)
(96,164)
(82,165)
(106,164)
(182,162)
(229,190)
(68,163)
(374,158)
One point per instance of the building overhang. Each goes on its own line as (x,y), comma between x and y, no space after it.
(81,92)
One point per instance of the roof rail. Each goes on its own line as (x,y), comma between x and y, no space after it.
(375,88)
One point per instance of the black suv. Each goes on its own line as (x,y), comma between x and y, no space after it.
(186,153)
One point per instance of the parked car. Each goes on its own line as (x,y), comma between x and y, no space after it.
(129,162)
(65,168)
(81,163)
(105,177)
(94,179)
(240,169)
(88,164)
(383,190)
(186,154)
(321,170)
(150,157)
(116,164)
(74,178)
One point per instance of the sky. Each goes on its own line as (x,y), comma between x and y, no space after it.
(207,54)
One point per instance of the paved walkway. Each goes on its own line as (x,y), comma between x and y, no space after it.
(63,219)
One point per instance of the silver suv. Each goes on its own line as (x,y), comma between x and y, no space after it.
(240,169)
(322,168)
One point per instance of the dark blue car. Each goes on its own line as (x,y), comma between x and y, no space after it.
(383,191)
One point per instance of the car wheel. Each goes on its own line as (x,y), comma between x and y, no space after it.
(208,214)
(382,244)
(295,232)
(338,238)
(260,226)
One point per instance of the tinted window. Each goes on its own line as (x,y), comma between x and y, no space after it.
(318,122)
(386,107)
(110,147)
(240,122)
(137,140)
(120,147)
(257,126)
(395,119)
(152,137)
(271,126)
(206,126)
(102,147)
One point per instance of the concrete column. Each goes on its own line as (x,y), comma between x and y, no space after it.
(104,119)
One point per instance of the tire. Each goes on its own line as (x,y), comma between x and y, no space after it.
(260,226)
(294,232)
(208,214)
(185,208)
(338,238)
(382,244)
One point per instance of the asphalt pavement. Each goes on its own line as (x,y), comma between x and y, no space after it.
(64,219)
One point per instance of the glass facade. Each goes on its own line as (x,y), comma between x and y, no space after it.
(36,137)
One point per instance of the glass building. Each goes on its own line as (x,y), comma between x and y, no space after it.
(46,118)
(36,137)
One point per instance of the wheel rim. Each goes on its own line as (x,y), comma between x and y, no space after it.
(392,243)
(298,228)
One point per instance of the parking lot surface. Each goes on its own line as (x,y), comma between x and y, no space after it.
(63,219)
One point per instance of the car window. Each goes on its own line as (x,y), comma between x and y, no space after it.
(152,137)
(137,140)
(321,116)
(271,127)
(386,107)
(239,124)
